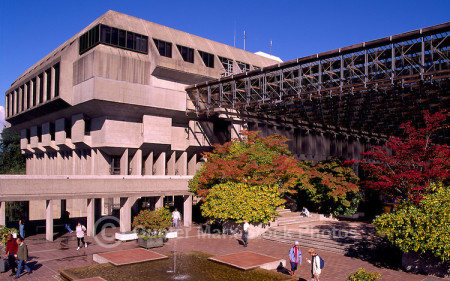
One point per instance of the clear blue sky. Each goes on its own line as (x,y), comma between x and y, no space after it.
(29,30)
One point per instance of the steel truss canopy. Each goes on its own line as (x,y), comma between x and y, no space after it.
(367,89)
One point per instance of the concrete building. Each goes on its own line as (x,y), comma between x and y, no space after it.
(103,122)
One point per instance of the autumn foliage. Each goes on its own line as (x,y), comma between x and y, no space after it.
(255,160)
(406,167)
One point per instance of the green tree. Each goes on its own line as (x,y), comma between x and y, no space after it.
(12,161)
(422,227)
(239,201)
(363,275)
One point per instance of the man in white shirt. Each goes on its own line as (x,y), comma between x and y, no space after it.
(304,212)
(315,265)
(176,216)
(245,233)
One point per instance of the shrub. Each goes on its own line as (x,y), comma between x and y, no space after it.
(152,223)
(363,275)
(4,231)
(422,227)
(239,201)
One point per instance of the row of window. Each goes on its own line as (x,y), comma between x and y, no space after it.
(41,88)
(103,34)
(165,49)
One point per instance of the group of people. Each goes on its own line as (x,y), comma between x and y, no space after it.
(17,253)
(295,258)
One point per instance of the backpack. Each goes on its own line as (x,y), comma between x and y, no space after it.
(322,263)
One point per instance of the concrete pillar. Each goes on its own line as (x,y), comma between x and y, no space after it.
(136,163)
(192,165)
(160,164)
(182,164)
(20,96)
(125,213)
(49,220)
(187,209)
(52,82)
(235,129)
(171,163)
(77,133)
(159,202)
(44,82)
(25,96)
(149,165)
(32,101)
(124,163)
(2,213)
(90,217)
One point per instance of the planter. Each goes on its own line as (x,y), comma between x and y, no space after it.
(151,242)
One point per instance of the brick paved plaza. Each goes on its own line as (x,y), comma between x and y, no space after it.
(47,258)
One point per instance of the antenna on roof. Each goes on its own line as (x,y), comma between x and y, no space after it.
(270,46)
(234,38)
(245,37)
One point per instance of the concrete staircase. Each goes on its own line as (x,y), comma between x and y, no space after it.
(330,243)
(286,217)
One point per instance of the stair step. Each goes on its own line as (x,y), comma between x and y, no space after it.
(329,241)
(315,245)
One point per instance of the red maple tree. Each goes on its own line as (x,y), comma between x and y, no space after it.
(405,167)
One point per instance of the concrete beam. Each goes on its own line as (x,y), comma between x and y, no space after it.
(49,220)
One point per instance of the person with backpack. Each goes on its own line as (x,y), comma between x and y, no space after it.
(317,263)
(80,230)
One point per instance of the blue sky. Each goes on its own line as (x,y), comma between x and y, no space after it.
(29,30)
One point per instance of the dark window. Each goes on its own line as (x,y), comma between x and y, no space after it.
(39,133)
(28,94)
(41,88)
(256,67)
(48,72)
(227,64)
(8,99)
(243,66)
(207,58)
(105,34)
(28,136)
(186,53)
(52,131)
(115,165)
(68,128)
(34,91)
(130,39)
(56,66)
(164,48)
(87,127)
(115,37)
(122,34)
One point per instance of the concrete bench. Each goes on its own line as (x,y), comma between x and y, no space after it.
(125,236)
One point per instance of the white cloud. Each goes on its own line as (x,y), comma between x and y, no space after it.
(2,118)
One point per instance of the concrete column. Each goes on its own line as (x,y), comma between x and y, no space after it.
(45,81)
(124,163)
(192,165)
(235,129)
(171,163)
(187,209)
(182,164)
(125,213)
(32,101)
(159,202)
(90,224)
(52,87)
(49,220)
(136,166)
(38,88)
(160,164)
(20,99)
(2,213)
(77,133)
(149,165)
(25,96)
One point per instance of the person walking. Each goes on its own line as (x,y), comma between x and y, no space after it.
(22,257)
(176,216)
(11,251)
(80,230)
(245,233)
(295,257)
(315,265)
(65,219)
(22,229)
